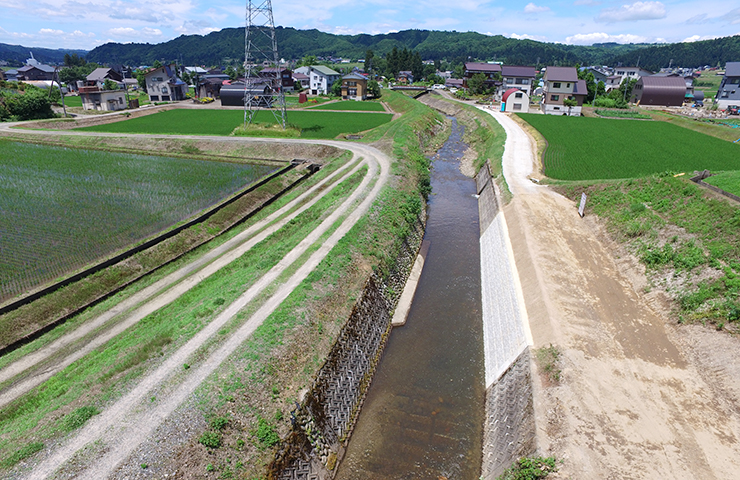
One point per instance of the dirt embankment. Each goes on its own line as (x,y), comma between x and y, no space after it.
(639,395)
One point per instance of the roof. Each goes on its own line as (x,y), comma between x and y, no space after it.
(732,69)
(508,93)
(580,88)
(273,70)
(561,74)
(653,81)
(513,71)
(324,70)
(482,67)
(355,76)
(98,74)
(299,76)
(40,66)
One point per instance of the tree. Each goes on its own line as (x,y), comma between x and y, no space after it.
(373,88)
(141,79)
(73,60)
(307,61)
(231,72)
(477,84)
(336,88)
(157,64)
(369,55)
(570,103)
(458,71)
(110,85)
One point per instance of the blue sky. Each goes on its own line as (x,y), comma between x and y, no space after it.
(85,24)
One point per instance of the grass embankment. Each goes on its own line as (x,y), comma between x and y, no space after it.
(697,124)
(247,400)
(351,105)
(103,375)
(622,114)
(312,124)
(727,181)
(688,240)
(582,148)
(63,209)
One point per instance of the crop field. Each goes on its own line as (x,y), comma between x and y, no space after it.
(727,181)
(352,105)
(61,208)
(582,148)
(313,124)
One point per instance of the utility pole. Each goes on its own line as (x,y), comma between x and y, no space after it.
(260,45)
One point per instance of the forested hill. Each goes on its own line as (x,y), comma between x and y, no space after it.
(16,55)
(227,46)
(694,54)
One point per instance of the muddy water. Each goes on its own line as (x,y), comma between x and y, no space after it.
(423,414)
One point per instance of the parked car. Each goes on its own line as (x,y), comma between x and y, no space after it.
(733,110)
(698,104)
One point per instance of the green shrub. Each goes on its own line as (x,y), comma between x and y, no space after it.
(21,454)
(77,418)
(210,439)
(266,434)
(219,423)
(529,469)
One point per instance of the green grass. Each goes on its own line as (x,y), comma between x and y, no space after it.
(622,114)
(581,148)
(530,468)
(727,181)
(65,208)
(352,105)
(313,124)
(72,101)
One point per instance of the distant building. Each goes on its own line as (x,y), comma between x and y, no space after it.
(729,89)
(321,78)
(93,98)
(354,87)
(613,82)
(492,71)
(285,82)
(301,80)
(631,72)
(35,72)
(233,94)
(405,77)
(521,78)
(163,85)
(659,91)
(561,83)
(100,75)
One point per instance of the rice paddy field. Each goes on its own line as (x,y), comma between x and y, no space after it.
(352,105)
(313,124)
(62,209)
(727,181)
(582,148)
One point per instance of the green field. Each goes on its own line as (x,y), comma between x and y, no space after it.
(352,105)
(582,148)
(65,208)
(313,124)
(727,181)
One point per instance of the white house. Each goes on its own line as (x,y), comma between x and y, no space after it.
(163,85)
(515,100)
(521,78)
(562,83)
(321,79)
(93,98)
(631,72)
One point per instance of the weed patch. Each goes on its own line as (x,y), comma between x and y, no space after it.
(548,360)
(530,468)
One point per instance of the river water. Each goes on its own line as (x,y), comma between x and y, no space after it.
(424,411)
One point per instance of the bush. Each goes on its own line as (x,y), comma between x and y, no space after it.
(77,418)
(33,104)
(266,433)
(529,469)
(210,439)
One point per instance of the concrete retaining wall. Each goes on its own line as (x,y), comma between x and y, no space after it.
(324,421)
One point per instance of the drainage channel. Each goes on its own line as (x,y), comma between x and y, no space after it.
(423,414)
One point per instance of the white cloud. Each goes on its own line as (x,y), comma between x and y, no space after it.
(696,38)
(49,31)
(196,27)
(600,37)
(532,8)
(524,36)
(733,16)
(589,3)
(633,12)
(698,19)
(131,33)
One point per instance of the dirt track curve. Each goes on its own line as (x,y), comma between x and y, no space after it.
(123,426)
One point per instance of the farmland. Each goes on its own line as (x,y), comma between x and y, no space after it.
(352,105)
(313,124)
(727,181)
(581,148)
(64,208)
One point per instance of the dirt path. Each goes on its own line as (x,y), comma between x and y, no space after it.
(635,400)
(118,430)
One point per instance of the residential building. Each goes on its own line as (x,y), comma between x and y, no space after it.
(492,71)
(301,80)
(515,100)
(612,82)
(286,77)
(561,83)
(729,89)
(631,72)
(354,87)
(93,98)
(210,87)
(321,79)
(11,75)
(38,71)
(659,91)
(521,78)
(163,85)
(232,94)
(405,77)
(100,75)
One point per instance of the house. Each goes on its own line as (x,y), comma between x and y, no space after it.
(631,72)
(321,79)
(300,80)
(454,83)
(599,75)
(492,71)
(286,77)
(2,75)
(688,79)
(521,78)
(38,71)
(11,75)
(663,91)
(210,87)
(163,85)
(100,75)
(612,82)
(561,83)
(405,77)
(93,98)
(515,100)
(729,89)
(354,87)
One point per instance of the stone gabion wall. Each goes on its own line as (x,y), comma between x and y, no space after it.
(324,422)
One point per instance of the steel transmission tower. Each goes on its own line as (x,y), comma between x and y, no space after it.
(260,46)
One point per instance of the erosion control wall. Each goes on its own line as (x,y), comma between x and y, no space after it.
(509,430)
(324,421)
